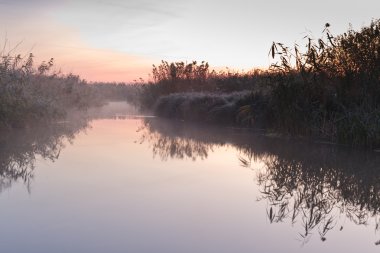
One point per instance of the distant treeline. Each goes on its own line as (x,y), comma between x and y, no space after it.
(115,91)
(328,89)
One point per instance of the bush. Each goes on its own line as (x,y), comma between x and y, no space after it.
(212,108)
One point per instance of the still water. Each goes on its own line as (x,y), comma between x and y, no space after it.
(117,181)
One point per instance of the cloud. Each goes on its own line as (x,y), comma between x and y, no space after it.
(142,7)
(37,4)
(133,26)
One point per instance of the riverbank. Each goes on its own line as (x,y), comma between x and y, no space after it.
(329,90)
(31,94)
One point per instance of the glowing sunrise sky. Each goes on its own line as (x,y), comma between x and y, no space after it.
(119,40)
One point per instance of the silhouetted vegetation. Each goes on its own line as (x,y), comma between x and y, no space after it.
(30,94)
(332,90)
(180,77)
(213,108)
(329,90)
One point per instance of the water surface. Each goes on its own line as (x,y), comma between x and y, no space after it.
(117,181)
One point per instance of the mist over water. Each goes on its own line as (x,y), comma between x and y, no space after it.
(113,180)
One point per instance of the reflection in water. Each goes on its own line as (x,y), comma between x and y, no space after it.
(316,187)
(19,148)
(172,140)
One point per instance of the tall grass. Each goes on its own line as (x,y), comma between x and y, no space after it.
(333,89)
(30,93)
(329,89)
(180,77)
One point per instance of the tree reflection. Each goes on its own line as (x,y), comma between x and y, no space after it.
(315,186)
(20,148)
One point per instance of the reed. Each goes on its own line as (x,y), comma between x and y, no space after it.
(30,93)
(328,89)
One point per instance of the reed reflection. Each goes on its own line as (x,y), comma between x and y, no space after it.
(320,187)
(315,186)
(173,140)
(20,148)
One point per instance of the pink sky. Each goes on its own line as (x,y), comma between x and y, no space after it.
(47,38)
(119,40)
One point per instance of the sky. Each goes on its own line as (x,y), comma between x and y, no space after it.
(119,40)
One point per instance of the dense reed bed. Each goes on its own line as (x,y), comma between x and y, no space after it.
(30,93)
(224,108)
(179,77)
(328,89)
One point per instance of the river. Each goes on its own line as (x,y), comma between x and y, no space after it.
(118,181)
